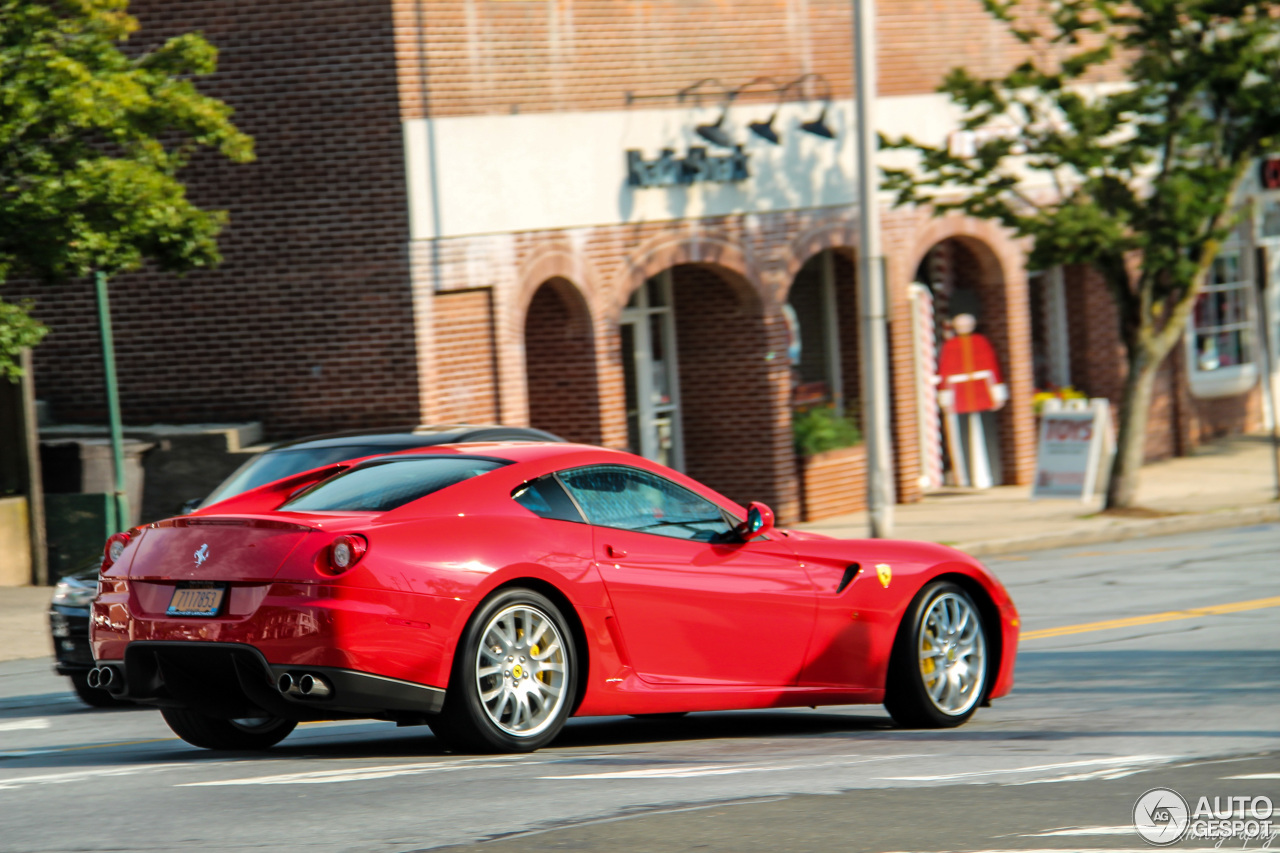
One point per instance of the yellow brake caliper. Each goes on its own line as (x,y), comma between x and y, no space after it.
(927,665)
(533,652)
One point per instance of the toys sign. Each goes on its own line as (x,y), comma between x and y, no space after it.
(1060,429)
(1075,442)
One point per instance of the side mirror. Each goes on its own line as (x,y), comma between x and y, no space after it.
(190,506)
(759,522)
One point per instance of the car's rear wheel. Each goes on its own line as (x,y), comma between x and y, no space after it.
(214,733)
(938,670)
(94,697)
(514,678)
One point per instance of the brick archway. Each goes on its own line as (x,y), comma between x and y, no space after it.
(556,261)
(563,388)
(668,253)
(975,267)
(735,387)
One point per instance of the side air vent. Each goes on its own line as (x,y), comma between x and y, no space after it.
(849,574)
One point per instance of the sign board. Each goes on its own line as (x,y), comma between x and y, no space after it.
(1075,443)
(696,167)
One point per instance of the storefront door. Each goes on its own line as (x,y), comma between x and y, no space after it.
(652,377)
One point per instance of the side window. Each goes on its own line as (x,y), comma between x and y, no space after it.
(544,497)
(631,499)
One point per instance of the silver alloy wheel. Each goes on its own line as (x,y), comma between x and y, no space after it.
(953,654)
(521,670)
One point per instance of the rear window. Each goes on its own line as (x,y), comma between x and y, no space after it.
(278,464)
(384,485)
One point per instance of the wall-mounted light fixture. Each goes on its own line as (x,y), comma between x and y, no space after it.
(763,129)
(818,126)
(713,132)
(717,134)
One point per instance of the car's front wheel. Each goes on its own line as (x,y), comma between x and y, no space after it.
(214,733)
(514,678)
(938,670)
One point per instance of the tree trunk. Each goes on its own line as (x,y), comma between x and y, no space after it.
(1132,418)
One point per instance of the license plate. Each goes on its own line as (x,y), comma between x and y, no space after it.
(196,601)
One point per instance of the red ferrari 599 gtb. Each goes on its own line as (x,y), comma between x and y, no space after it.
(490,591)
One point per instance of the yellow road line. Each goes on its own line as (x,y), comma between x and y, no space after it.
(1153,618)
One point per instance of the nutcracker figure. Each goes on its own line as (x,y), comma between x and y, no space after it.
(969,383)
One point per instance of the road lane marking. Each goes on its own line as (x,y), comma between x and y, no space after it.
(1153,618)
(687,771)
(1074,831)
(1255,776)
(1064,849)
(84,775)
(22,725)
(364,774)
(23,753)
(1125,761)
(1105,775)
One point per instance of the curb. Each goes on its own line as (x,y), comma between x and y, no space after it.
(1122,531)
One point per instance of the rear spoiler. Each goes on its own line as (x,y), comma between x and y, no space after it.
(272,495)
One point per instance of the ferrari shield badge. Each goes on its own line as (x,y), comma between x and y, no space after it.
(885,573)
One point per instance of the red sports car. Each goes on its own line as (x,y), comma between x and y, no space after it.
(490,591)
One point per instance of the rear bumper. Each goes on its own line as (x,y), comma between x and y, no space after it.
(404,636)
(235,680)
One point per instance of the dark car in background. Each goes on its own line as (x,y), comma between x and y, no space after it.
(69,609)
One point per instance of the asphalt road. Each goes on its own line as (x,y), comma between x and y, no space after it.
(1100,715)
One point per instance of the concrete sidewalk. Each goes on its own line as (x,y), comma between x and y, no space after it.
(24,623)
(1226,484)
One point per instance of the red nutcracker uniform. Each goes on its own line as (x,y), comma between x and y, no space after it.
(969,376)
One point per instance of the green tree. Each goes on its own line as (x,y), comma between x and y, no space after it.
(1138,179)
(92,139)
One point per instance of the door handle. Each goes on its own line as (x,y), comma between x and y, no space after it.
(614,552)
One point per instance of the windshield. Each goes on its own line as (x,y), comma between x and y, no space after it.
(384,485)
(278,464)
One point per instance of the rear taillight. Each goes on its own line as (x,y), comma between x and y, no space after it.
(346,551)
(115,547)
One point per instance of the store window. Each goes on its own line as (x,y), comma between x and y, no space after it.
(1050,340)
(813,335)
(1221,338)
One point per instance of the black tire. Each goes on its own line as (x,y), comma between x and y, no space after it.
(908,697)
(466,724)
(214,733)
(94,697)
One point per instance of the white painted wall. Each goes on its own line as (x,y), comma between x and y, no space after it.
(497,174)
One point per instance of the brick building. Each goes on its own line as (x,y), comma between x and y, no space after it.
(462,211)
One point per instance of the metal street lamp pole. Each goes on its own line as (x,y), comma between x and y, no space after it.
(121,502)
(871,278)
